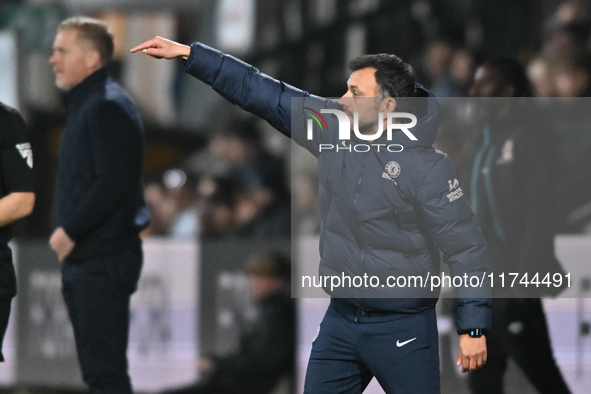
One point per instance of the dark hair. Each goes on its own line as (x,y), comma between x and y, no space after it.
(95,32)
(394,76)
(512,73)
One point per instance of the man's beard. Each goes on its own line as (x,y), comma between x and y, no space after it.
(62,86)
(367,128)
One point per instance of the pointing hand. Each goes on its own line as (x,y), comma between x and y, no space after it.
(162,48)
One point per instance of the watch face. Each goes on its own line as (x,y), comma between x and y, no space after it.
(475,332)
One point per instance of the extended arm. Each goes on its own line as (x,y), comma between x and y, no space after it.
(162,48)
(17,167)
(238,82)
(242,84)
(16,206)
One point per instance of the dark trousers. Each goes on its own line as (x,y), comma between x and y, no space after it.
(519,331)
(97,293)
(353,346)
(7,290)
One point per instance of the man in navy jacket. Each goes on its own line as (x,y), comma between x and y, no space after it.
(98,206)
(390,205)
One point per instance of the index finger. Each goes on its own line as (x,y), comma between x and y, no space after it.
(148,44)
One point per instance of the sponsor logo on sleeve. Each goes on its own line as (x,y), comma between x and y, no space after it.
(26,152)
(455,191)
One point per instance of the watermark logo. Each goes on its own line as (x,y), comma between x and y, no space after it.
(345,124)
(315,115)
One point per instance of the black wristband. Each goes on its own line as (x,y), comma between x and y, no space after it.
(474,332)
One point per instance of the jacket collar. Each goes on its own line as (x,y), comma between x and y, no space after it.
(76,96)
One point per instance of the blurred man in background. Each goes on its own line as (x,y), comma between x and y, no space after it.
(266,353)
(571,140)
(17,199)
(99,207)
(508,171)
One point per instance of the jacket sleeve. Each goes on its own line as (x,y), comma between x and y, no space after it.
(17,156)
(280,104)
(117,155)
(452,226)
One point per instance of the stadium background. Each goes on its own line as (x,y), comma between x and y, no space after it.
(219,194)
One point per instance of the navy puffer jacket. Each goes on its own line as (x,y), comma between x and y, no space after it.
(384,213)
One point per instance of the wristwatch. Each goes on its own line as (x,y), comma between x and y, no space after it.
(474,332)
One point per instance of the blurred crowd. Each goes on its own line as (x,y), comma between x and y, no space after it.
(558,73)
(237,188)
(562,68)
(233,188)
(240,186)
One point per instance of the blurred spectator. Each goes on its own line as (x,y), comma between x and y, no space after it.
(541,74)
(570,11)
(173,206)
(567,32)
(306,212)
(564,69)
(448,69)
(266,354)
(437,61)
(262,213)
(234,209)
(461,70)
(245,203)
(244,189)
(182,188)
(508,185)
(565,41)
(162,210)
(451,133)
(241,148)
(573,79)
(219,207)
(571,144)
